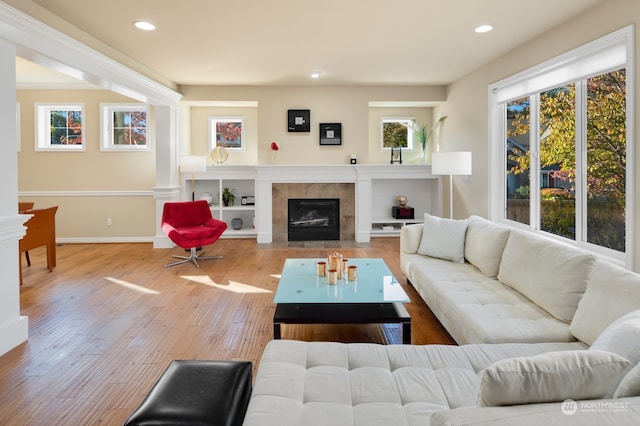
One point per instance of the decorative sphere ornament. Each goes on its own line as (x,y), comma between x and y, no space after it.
(401,200)
(219,155)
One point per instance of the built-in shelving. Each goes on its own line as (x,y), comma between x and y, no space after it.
(421,192)
(210,185)
(388,226)
(376,189)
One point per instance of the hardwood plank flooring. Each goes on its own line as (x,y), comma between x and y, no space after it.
(108,320)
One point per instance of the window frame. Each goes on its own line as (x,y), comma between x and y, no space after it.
(614,48)
(214,120)
(43,126)
(106,126)
(408,122)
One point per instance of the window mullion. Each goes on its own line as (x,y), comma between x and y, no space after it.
(581,161)
(534,164)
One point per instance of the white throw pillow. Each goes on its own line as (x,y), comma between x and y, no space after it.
(630,384)
(443,238)
(484,244)
(622,337)
(550,377)
(550,274)
(612,292)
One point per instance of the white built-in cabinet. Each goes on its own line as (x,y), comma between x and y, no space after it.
(376,189)
(242,212)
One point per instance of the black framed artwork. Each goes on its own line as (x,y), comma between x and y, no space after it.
(299,120)
(330,133)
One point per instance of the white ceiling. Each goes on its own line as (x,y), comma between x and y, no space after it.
(283,41)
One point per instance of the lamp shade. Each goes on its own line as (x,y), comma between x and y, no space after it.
(451,163)
(193,164)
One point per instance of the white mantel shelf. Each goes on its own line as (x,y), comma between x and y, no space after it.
(373,182)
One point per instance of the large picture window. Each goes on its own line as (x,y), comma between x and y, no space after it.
(59,127)
(561,164)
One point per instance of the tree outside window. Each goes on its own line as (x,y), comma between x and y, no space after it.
(59,127)
(590,192)
(124,127)
(397,133)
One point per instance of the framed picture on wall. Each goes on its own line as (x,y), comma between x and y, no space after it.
(330,133)
(227,132)
(299,120)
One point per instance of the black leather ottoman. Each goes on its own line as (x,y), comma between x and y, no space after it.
(197,393)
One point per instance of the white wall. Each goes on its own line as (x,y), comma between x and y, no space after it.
(348,105)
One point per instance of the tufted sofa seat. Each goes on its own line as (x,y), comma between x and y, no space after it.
(326,383)
(475,308)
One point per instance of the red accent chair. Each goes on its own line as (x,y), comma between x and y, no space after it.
(189,224)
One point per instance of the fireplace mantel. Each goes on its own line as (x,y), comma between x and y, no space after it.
(376,186)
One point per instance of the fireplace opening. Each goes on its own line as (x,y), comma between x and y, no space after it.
(313,219)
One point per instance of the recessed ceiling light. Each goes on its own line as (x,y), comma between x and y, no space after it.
(484,28)
(143,25)
(315,75)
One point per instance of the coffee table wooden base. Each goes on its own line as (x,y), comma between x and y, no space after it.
(342,313)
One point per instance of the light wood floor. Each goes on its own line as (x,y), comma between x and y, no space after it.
(107,321)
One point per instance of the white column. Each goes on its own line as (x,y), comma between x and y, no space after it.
(13,327)
(167,177)
(264,206)
(364,199)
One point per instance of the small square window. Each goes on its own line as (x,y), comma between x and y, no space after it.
(227,132)
(124,127)
(396,132)
(59,127)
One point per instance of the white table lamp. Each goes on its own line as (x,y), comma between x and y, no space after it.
(193,164)
(451,163)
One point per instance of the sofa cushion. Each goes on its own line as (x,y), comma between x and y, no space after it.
(357,384)
(630,384)
(550,274)
(443,238)
(477,309)
(484,244)
(622,337)
(612,291)
(410,237)
(550,377)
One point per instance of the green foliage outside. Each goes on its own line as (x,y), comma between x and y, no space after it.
(395,135)
(605,155)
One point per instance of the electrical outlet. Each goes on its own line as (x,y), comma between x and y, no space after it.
(109,222)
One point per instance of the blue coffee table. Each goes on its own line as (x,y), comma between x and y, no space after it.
(376,297)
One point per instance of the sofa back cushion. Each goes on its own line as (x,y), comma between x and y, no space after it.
(612,291)
(551,275)
(484,244)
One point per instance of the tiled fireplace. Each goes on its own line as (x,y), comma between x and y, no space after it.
(283,192)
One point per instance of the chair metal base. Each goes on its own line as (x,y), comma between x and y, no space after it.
(193,257)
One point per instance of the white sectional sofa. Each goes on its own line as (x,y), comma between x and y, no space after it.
(489,284)
(547,334)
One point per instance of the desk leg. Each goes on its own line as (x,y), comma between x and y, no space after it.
(276,330)
(406,333)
